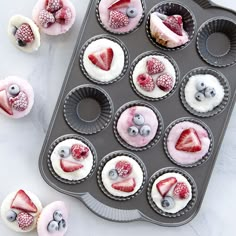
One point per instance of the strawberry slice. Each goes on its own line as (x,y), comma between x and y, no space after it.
(22,202)
(174,23)
(119,4)
(165,185)
(189,141)
(70,166)
(102,59)
(127,185)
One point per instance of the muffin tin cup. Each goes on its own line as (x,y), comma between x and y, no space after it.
(115,40)
(117,33)
(157,137)
(109,157)
(222,25)
(190,179)
(154,53)
(198,122)
(223,81)
(63,138)
(173,8)
(72,102)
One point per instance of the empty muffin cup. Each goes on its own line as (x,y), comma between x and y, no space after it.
(216,42)
(169,8)
(88,109)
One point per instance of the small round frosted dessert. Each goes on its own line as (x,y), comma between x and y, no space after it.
(20,211)
(16,97)
(171,192)
(137,126)
(168,31)
(72,159)
(154,76)
(54,17)
(203,92)
(24,33)
(120,16)
(53,220)
(188,142)
(103,60)
(122,176)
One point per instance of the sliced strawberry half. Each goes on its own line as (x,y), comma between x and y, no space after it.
(119,4)
(174,23)
(4,104)
(165,185)
(125,186)
(102,59)
(70,166)
(22,202)
(189,141)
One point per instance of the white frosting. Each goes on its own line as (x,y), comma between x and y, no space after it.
(208,104)
(6,206)
(179,203)
(117,64)
(75,175)
(136,173)
(140,68)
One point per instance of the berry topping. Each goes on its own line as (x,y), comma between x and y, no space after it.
(11,216)
(165,82)
(53,226)
(64,15)
(146,82)
(119,4)
(62,225)
(57,216)
(125,186)
(154,66)
(79,151)
(131,12)
(123,168)
(200,86)
(64,152)
(138,119)
(22,202)
(14,90)
(53,5)
(4,104)
(168,203)
(133,131)
(70,166)
(20,102)
(199,96)
(189,141)
(210,92)
(46,19)
(145,130)
(181,191)
(174,23)
(24,220)
(118,20)
(113,174)
(165,185)
(102,59)
(24,35)
(14,29)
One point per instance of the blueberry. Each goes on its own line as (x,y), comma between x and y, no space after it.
(138,119)
(131,12)
(199,96)
(64,152)
(14,29)
(53,226)
(113,174)
(168,203)
(200,86)
(62,225)
(11,216)
(21,43)
(210,92)
(133,131)
(145,130)
(14,89)
(57,216)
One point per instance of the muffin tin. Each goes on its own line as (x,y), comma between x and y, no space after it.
(116,95)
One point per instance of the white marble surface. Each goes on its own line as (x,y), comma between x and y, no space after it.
(21,141)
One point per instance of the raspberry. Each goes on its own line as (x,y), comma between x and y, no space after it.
(146,82)
(165,82)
